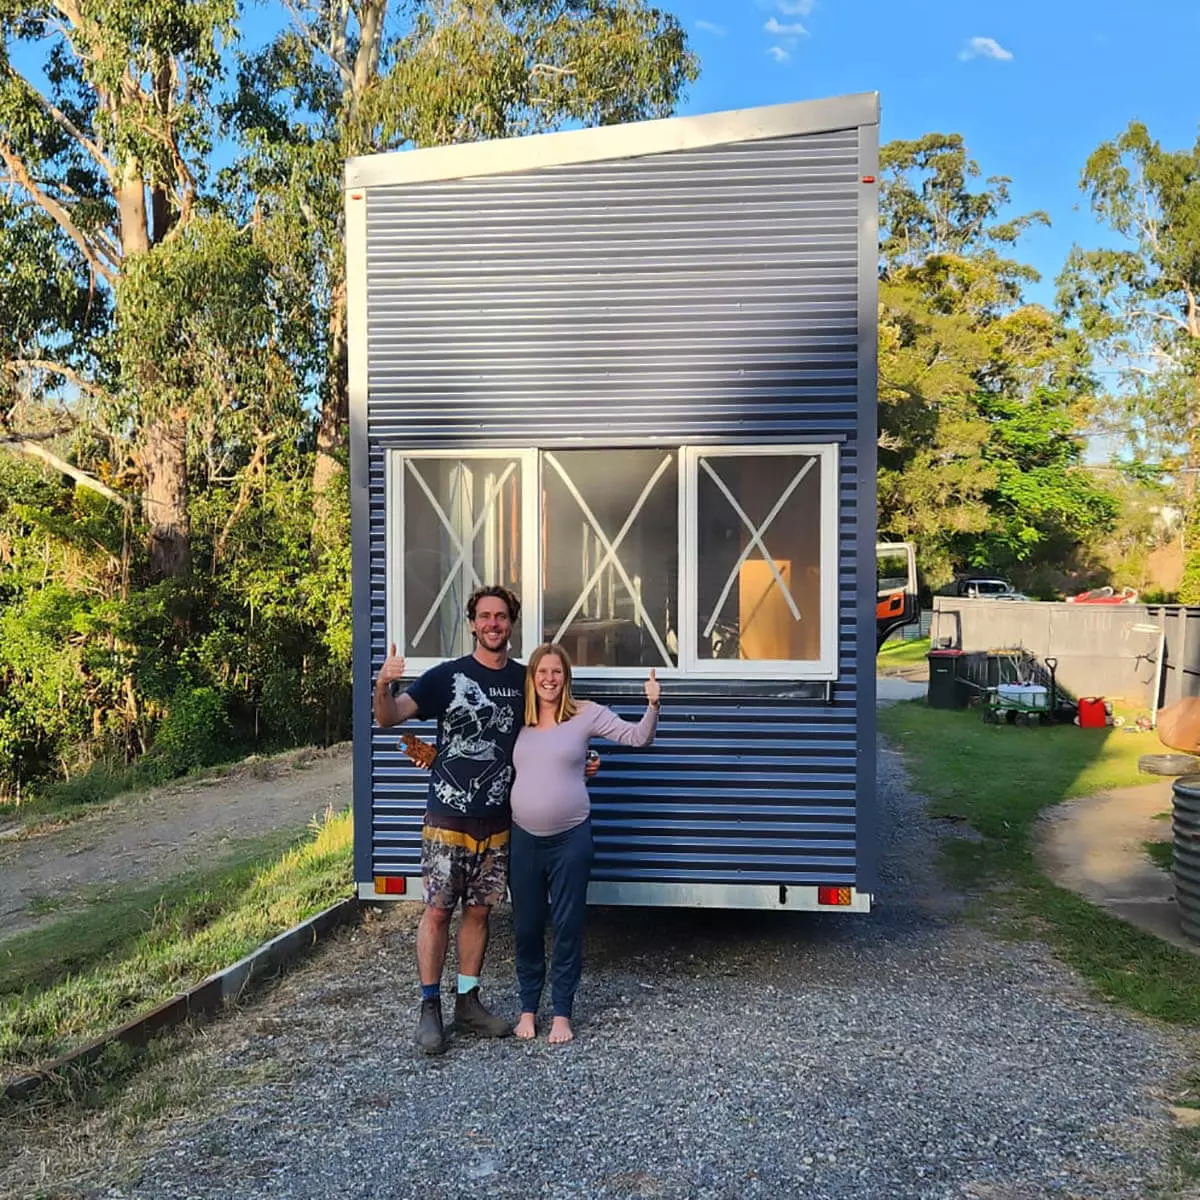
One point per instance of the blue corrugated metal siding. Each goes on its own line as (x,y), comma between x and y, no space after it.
(699,296)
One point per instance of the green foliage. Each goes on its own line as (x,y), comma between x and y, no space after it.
(1138,304)
(928,209)
(101,782)
(1189,586)
(984,399)
(44,296)
(1041,501)
(467,71)
(253,655)
(195,732)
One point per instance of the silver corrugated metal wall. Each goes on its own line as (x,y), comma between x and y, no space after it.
(697,296)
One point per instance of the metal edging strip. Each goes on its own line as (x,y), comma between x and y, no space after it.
(204,999)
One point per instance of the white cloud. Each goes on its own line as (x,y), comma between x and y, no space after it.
(984,47)
(709,27)
(795,8)
(779,54)
(780,30)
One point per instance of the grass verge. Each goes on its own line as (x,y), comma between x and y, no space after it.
(902,654)
(998,780)
(72,980)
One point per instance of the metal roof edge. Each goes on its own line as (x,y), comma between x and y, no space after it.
(607,142)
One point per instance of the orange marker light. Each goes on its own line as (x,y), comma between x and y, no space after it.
(390,885)
(833,895)
(868,179)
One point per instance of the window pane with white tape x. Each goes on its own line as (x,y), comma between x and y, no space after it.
(460,528)
(759,557)
(610,555)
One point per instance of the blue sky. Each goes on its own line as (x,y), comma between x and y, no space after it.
(1033,87)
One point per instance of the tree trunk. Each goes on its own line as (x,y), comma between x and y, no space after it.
(165,498)
(164,218)
(163,441)
(331,432)
(131,205)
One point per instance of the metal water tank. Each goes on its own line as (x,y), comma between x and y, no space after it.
(1186,828)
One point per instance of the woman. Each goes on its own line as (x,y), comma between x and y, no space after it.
(551,847)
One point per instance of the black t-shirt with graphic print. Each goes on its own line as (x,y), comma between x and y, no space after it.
(479,712)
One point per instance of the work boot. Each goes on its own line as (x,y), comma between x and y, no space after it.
(431,1038)
(471,1017)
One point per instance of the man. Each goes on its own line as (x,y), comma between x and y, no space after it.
(479,702)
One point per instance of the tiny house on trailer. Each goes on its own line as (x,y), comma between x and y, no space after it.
(629,372)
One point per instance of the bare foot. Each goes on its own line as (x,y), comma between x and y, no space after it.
(560,1031)
(525,1027)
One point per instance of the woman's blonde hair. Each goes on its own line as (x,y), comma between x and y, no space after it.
(568,706)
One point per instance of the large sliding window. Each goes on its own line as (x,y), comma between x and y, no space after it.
(706,561)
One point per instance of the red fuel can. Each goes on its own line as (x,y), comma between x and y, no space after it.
(1092,714)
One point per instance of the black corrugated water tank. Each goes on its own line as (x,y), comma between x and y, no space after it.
(1186,853)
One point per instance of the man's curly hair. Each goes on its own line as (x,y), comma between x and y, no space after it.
(500,593)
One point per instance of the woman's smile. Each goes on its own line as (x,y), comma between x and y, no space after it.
(548,678)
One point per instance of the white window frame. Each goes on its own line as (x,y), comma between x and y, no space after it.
(690,664)
(824,667)
(528,460)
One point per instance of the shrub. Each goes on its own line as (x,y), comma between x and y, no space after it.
(195,732)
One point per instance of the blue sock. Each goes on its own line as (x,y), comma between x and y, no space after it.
(431,991)
(466,983)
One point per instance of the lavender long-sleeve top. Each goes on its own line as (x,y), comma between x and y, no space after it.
(549,794)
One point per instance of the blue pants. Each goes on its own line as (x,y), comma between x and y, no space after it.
(548,877)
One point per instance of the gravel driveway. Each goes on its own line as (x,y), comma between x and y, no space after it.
(904,1054)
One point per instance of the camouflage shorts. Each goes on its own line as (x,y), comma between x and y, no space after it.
(456,866)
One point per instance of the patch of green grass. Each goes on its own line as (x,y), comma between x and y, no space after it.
(99,784)
(1000,777)
(998,780)
(87,973)
(902,653)
(41,906)
(1123,963)
(1161,854)
(108,920)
